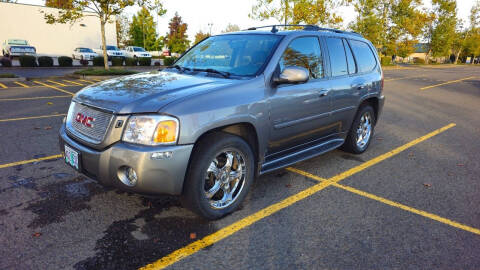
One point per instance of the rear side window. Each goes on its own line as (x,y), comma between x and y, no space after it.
(338,61)
(304,52)
(364,55)
(352,68)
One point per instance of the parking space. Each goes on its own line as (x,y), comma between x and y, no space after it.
(410,201)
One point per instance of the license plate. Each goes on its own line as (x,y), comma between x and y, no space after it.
(72,157)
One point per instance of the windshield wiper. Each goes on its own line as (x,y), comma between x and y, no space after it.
(180,68)
(225,74)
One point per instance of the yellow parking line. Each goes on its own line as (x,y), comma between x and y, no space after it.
(3,85)
(395,151)
(223,233)
(21,84)
(85,81)
(449,82)
(28,161)
(410,209)
(76,83)
(54,87)
(395,79)
(97,80)
(389,202)
(54,82)
(31,117)
(32,98)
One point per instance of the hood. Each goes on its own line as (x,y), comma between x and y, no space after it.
(146,92)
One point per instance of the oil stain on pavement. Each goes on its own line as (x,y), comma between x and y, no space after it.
(154,232)
(61,199)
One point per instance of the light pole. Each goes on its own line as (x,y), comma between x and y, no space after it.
(210,26)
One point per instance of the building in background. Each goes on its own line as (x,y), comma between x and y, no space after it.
(21,21)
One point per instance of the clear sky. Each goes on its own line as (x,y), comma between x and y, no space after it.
(219,13)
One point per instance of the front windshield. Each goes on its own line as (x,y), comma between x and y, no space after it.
(17,42)
(241,55)
(85,50)
(138,49)
(112,48)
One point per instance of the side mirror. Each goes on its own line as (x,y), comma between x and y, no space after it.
(292,74)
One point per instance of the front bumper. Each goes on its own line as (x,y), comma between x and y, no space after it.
(16,54)
(155,176)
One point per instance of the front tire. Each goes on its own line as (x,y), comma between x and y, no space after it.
(220,174)
(361,132)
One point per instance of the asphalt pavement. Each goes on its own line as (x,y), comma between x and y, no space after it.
(410,202)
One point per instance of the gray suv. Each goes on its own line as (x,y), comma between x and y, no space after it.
(233,107)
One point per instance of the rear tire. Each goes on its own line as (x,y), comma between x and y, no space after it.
(361,131)
(220,174)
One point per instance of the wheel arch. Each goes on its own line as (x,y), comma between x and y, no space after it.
(372,101)
(244,130)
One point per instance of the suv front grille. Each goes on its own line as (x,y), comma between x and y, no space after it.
(92,130)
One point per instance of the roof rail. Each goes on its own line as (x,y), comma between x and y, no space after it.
(306,27)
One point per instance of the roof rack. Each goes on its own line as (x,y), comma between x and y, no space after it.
(306,27)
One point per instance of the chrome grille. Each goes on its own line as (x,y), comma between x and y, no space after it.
(99,126)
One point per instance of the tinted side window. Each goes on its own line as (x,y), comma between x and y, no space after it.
(304,52)
(338,62)
(352,68)
(364,55)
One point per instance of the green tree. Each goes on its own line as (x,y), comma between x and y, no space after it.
(231,28)
(444,27)
(370,20)
(142,31)
(199,36)
(104,10)
(471,36)
(297,11)
(177,39)
(406,22)
(58,3)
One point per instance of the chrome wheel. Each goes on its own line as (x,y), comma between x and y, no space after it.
(364,130)
(225,178)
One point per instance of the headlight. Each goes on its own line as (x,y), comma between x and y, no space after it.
(151,130)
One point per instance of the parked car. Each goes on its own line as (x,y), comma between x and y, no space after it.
(112,51)
(84,54)
(233,107)
(17,47)
(136,52)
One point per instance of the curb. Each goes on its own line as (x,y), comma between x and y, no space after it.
(87,77)
(16,79)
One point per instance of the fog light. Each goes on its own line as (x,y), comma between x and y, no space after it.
(162,155)
(132,176)
(128,176)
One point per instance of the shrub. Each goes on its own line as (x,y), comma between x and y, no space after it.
(6,62)
(28,61)
(117,61)
(129,61)
(420,61)
(157,64)
(104,72)
(84,62)
(145,61)
(386,61)
(169,61)
(65,61)
(7,75)
(45,61)
(98,61)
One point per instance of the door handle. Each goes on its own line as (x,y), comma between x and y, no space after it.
(359,86)
(323,93)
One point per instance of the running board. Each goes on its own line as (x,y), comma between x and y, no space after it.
(301,155)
